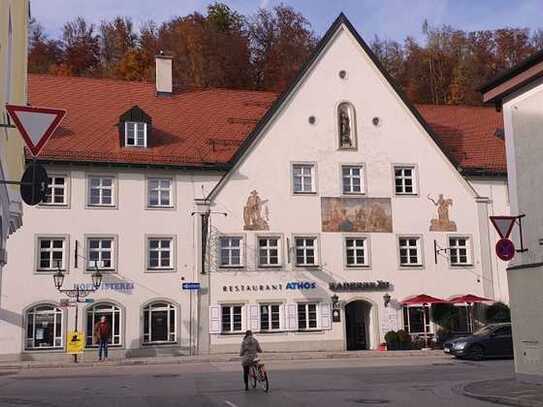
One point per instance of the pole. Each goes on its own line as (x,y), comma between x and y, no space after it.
(76,320)
(190,322)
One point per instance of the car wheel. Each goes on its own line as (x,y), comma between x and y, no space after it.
(476,352)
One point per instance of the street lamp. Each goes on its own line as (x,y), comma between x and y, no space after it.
(335,300)
(58,278)
(386,299)
(96,279)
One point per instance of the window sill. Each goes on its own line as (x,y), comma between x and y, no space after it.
(309,331)
(406,195)
(112,206)
(49,271)
(46,349)
(457,266)
(225,268)
(357,266)
(412,267)
(158,208)
(158,271)
(104,270)
(232,333)
(305,193)
(277,267)
(308,266)
(159,343)
(271,332)
(51,205)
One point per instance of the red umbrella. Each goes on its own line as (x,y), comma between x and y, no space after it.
(468,299)
(423,299)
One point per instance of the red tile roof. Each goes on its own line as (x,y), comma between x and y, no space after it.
(205,127)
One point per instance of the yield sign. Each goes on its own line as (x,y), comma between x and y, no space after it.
(503,224)
(36,124)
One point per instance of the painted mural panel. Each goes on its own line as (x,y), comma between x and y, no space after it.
(356,215)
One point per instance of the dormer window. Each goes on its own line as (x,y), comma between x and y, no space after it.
(135,134)
(135,128)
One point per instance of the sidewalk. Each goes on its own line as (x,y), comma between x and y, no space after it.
(90,361)
(506,391)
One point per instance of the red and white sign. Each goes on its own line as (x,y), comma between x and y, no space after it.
(36,124)
(505,249)
(503,224)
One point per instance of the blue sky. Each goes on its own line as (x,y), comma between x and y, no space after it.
(393,19)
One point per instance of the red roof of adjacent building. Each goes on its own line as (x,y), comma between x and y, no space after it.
(205,127)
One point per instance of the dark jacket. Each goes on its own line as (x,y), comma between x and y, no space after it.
(249,348)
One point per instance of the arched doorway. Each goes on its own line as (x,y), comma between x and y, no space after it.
(357,325)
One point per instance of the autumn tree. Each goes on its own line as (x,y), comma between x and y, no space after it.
(44,54)
(117,41)
(81,48)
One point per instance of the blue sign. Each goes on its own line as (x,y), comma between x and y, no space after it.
(89,300)
(191,286)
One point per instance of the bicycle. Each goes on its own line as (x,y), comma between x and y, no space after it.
(258,374)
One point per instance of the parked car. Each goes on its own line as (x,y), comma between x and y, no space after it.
(491,341)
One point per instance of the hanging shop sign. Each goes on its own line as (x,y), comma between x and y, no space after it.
(360,286)
(291,285)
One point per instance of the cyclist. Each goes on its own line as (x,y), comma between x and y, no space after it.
(249,348)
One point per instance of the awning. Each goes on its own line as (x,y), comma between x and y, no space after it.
(467,299)
(422,299)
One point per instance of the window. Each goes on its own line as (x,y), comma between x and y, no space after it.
(160,193)
(113,317)
(100,250)
(303,178)
(346,126)
(416,320)
(52,254)
(44,327)
(306,251)
(135,134)
(270,317)
(269,251)
(404,180)
(160,256)
(356,251)
(352,179)
(307,316)
(459,251)
(231,320)
(410,252)
(159,323)
(231,251)
(101,191)
(56,191)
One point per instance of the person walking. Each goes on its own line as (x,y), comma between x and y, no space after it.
(102,331)
(249,349)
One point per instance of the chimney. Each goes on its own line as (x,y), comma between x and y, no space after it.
(164,80)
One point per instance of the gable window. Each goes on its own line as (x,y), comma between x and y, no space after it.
(356,251)
(52,254)
(231,319)
(346,126)
(269,251)
(410,251)
(135,134)
(56,191)
(351,176)
(404,180)
(303,178)
(459,251)
(101,191)
(160,256)
(270,317)
(100,252)
(231,251)
(307,316)
(306,251)
(160,193)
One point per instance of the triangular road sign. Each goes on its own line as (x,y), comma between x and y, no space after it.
(503,224)
(36,124)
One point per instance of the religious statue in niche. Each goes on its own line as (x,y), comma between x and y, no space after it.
(442,223)
(253,217)
(345,125)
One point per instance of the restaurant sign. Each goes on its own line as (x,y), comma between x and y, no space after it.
(291,285)
(361,286)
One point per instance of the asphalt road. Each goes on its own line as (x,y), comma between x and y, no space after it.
(404,382)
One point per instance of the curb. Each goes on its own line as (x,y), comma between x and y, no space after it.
(509,401)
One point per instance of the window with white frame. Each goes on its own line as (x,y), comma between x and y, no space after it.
(160,193)
(160,253)
(56,193)
(269,251)
(459,251)
(416,320)
(231,251)
(352,179)
(44,327)
(112,313)
(135,134)
(356,251)
(101,191)
(306,251)
(303,178)
(52,253)
(307,316)
(159,323)
(100,251)
(405,180)
(231,318)
(270,317)
(410,251)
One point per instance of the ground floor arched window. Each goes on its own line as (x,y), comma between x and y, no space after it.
(44,327)
(159,323)
(113,316)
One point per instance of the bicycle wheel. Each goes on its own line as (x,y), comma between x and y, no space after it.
(252,376)
(263,379)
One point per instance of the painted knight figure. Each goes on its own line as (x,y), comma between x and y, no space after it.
(442,223)
(252,213)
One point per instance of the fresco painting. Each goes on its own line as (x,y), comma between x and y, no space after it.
(356,215)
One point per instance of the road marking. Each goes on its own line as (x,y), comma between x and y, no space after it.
(229,403)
